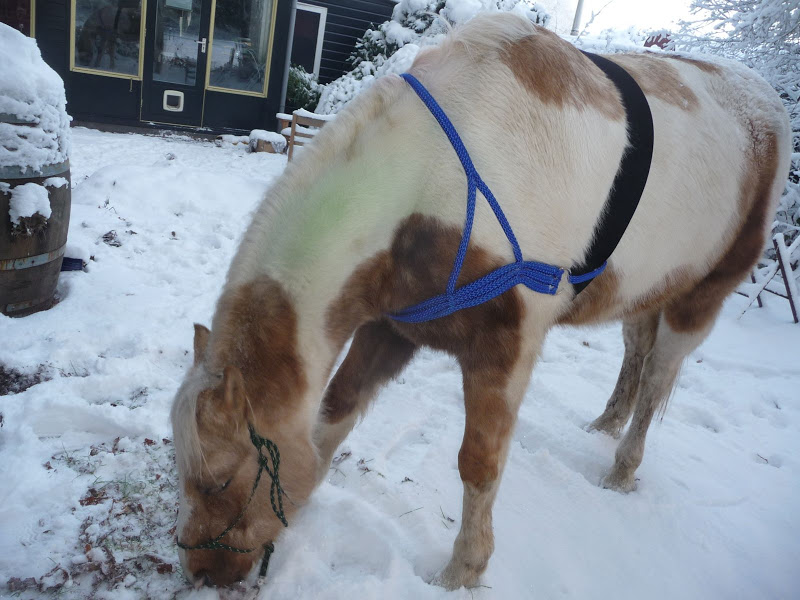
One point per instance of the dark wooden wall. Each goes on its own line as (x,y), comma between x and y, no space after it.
(346,22)
(52,34)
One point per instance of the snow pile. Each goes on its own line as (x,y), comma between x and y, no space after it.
(33,93)
(302,112)
(88,493)
(27,200)
(55,182)
(276,140)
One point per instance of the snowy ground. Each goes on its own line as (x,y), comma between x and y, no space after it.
(88,498)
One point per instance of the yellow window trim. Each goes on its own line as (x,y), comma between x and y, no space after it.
(89,71)
(213,88)
(151,121)
(72,67)
(33,18)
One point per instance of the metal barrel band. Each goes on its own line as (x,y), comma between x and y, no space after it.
(15,172)
(16,264)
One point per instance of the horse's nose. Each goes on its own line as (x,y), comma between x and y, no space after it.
(201,578)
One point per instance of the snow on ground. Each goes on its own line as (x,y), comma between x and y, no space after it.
(88,496)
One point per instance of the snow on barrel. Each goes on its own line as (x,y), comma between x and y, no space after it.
(34,176)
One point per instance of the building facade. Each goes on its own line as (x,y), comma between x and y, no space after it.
(208,65)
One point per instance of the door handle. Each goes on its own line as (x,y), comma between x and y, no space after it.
(202,45)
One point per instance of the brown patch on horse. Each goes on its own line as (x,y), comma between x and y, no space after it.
(695,310)
(599,302)
(488,423)
(595,303)
(557,72)
(704,66)
(676,282)
(256,331)
(484,338)
(377,354)
(658,79)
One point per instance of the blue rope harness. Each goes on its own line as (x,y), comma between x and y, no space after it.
(539,277)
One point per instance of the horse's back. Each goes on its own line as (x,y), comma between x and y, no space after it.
(719,166)
(557,134)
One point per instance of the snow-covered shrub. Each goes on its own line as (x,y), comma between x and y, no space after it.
(302,90)
(392,46)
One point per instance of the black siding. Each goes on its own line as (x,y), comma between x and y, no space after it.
(347,21)
(52,34)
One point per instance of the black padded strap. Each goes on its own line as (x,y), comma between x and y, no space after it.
(632,174)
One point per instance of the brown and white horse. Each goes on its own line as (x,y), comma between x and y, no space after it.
(368,221)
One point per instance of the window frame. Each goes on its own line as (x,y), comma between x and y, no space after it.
(323,16)
(102,72)
(265,89)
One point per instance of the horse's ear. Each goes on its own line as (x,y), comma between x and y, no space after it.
(234,398)
(201,334)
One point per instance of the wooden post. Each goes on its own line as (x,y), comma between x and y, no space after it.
(758,295)
(784,260)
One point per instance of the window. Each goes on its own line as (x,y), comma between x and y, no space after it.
(309,30)
(176,41)
(18,14)
(240,45)
(107,37)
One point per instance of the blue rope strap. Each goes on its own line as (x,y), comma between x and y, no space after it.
(539,277)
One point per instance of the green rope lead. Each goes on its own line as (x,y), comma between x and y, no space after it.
(276,494)
(275,490)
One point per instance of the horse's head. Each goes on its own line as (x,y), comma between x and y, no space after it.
(223,450)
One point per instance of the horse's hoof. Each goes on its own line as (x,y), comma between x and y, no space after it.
(455,576)
(619,483)
(603,426)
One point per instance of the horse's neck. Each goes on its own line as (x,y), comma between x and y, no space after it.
(306,241)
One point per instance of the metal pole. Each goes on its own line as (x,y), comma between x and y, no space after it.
(576,23)
(287,64)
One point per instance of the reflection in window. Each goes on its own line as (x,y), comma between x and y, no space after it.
(240,44)
(176,35)
(107,35)
(16,14)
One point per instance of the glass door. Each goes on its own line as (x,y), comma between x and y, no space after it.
(175,61)
(309,31)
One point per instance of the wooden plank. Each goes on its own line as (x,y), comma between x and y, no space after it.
(784,260)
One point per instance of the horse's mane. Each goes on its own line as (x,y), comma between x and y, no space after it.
(185,437)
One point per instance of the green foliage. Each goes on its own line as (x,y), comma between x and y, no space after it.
(375,46)
(410,22)
(303,90)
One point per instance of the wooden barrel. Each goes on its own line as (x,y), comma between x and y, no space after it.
(31,252)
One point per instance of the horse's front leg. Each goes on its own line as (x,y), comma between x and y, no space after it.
(491,401)
(376,354)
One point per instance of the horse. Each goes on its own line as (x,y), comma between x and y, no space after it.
(368,221)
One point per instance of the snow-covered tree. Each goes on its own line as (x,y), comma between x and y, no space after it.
(765,35)
(392,46)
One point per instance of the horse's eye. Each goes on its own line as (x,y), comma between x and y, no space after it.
(210,491)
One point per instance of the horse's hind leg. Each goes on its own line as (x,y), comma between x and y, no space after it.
(376,354)
(639,333)
(659,372)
